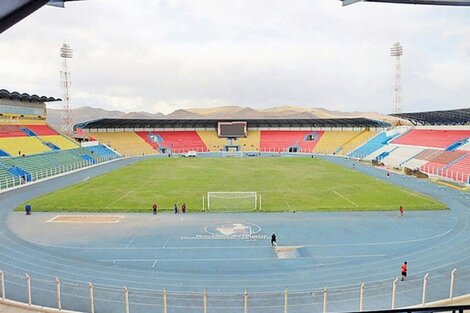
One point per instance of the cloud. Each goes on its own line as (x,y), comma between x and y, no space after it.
(165,55)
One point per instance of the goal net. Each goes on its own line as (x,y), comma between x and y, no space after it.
(232,201)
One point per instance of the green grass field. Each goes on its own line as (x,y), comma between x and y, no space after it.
(285,184)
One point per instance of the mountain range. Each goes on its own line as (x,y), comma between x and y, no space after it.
(87,113)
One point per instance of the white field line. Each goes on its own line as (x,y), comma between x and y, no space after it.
(341,196)
(288,204)
(120,198)
(166,242)
(154,263)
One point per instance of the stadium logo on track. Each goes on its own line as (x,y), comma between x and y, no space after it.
(230,231)
(233,229)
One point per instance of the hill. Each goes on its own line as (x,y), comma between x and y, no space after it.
(87,113)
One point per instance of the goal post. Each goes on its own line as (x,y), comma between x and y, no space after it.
(236,201)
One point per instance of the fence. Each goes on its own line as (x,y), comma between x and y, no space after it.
(67,295)
(51,171)
(448,174)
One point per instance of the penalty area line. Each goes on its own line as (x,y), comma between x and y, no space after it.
(341,196)
(120,198)
(288,204)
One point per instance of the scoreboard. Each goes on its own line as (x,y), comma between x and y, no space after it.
(232,129)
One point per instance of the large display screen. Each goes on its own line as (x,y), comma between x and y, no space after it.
(232,129)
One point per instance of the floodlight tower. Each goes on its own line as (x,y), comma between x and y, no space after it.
(397,51)
(65,82)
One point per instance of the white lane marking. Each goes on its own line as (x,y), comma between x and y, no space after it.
(166,242)
(154,263)
(250,259)
(121,197)
(130,242)
(341,196)
(182,219)
(257,247)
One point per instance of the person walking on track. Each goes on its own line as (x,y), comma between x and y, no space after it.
(404,270)
(273,240)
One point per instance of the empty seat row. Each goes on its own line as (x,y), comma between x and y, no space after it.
(50,163)
(432,138)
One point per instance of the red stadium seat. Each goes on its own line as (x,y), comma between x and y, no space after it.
(11,131)
(177,141)
(277,141)
(41,130)
(432,137)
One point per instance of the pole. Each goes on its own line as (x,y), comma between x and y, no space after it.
(165,307)
(2,281)
(425,283)
(92,298)
(452,281)
(245,304)
(361,298)
(325,299)
(59,301)
(28,287)
(126,299)
(260,202)
(286,301)
(394,292)
(203,209)
(204,301)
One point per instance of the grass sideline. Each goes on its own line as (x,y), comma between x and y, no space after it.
(286,184)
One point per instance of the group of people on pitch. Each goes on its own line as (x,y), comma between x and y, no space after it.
(183,208)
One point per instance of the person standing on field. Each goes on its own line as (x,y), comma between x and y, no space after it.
(401,211)
(176,208)
(404,270)
(154,209)
(183,208)
(273,240)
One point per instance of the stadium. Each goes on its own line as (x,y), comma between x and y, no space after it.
(232,214)
(92,243)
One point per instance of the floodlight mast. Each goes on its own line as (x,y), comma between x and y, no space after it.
(65,82)
(397,51)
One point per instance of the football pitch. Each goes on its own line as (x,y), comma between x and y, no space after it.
(285,185)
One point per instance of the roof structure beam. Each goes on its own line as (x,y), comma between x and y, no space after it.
(212,123)
(423,2)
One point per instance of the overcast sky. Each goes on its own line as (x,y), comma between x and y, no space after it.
(159,55)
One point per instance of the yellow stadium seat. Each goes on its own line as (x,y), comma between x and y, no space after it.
(212,140)
(23,121)
(332,141)
(22,145)
(127,144)
(251,142)
(356,142)
(60,141)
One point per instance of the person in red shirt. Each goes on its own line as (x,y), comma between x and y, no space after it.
(183,208)
(401,211)
(404,270)
(154,208)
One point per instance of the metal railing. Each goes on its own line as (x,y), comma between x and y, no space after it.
(89,297)
(51,171)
